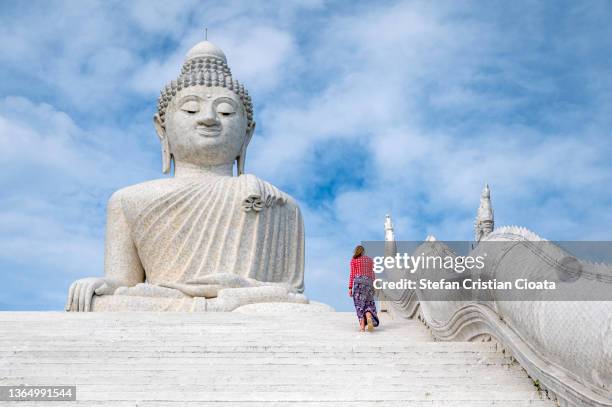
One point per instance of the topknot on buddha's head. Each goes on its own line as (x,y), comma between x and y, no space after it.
(205,65)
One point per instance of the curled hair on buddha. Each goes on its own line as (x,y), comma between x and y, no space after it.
(205,65)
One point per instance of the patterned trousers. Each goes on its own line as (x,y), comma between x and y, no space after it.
(363,298)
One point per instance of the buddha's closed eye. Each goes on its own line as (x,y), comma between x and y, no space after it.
(225,109)
(190,107)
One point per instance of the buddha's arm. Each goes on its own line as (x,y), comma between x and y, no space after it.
(121,261)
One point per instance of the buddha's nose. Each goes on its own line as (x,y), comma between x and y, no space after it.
(208,118)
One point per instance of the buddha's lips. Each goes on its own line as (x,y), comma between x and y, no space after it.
(208,131)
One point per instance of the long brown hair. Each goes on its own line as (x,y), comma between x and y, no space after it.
(359,250)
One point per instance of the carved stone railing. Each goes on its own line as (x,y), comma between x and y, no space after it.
(565,346)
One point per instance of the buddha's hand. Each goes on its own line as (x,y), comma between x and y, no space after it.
(208,286)
(82,291)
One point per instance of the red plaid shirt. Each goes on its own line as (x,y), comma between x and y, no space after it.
(361,266)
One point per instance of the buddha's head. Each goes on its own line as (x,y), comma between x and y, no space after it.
(205,117)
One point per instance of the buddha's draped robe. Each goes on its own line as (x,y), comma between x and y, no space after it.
(239,225)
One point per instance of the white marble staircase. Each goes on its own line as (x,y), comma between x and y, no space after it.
(236,359)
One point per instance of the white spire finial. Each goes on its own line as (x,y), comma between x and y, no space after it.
(389,234)
(486,191)
(390,245)
(388,224)
(484,222)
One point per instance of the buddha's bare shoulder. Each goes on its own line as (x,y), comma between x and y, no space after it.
(145,190)
(138,195)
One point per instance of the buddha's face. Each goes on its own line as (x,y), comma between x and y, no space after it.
(205,126)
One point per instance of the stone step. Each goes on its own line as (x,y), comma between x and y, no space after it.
(207,341)
(226,396)
(65,349)
(274,385)
(59,348)
(97,378)
(271,358)
(347,403)
(186,346)
(351,329)
(196,337)
(416,371)
(274,360)
(436,371)
(267,358)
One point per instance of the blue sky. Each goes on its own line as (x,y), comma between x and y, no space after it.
(363,109)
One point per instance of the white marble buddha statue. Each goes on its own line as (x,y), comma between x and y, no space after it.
(204,239)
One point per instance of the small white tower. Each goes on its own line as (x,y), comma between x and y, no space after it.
(484,222)
(389,234)
(390,251)
(390,245)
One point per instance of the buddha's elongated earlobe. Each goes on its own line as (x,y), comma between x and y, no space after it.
(242,157)
(240,162)
(166,156)
(165,145)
